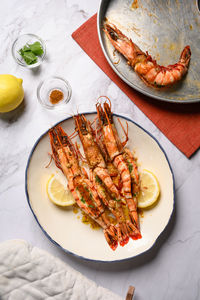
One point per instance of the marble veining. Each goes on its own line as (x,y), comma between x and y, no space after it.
(170,270)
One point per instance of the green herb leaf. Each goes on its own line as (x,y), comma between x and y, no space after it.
(30,52)
(92,206)
(21,52)
(29,57)
(36,48)
(26,48)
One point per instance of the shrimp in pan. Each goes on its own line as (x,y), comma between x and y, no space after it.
(147,69)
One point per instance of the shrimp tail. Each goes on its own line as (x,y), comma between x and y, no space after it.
(185,56)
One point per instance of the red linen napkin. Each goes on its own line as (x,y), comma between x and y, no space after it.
(180,123)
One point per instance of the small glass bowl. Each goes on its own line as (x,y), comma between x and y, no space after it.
(20,42)
(47,86)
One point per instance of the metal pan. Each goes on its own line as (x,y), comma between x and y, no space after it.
(162,28)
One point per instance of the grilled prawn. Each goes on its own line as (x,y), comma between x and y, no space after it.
(82,189)
(106,189)
(147,69)
(121,158)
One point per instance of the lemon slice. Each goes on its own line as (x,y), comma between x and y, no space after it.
(150,189)
(58,192)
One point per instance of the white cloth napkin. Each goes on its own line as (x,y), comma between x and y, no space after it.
(30,273)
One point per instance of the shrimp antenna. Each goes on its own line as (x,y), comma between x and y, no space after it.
(106,99)
(51,158)
(79,153)
(71,115)
(77,108)
(73,135)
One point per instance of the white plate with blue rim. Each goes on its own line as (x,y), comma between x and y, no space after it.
(65,229)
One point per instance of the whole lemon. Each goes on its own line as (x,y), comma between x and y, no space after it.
(11,92)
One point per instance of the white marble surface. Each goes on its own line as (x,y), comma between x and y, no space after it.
(170,270)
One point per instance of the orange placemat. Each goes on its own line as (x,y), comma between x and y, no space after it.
(180,123)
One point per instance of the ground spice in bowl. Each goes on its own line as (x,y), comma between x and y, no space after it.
(56,96)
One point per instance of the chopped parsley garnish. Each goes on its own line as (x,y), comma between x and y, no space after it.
(116,199)
(97,179)
(82,200)
(92,206)
(130,167)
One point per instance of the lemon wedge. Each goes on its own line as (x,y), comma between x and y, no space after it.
(150,189)
(58,192)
